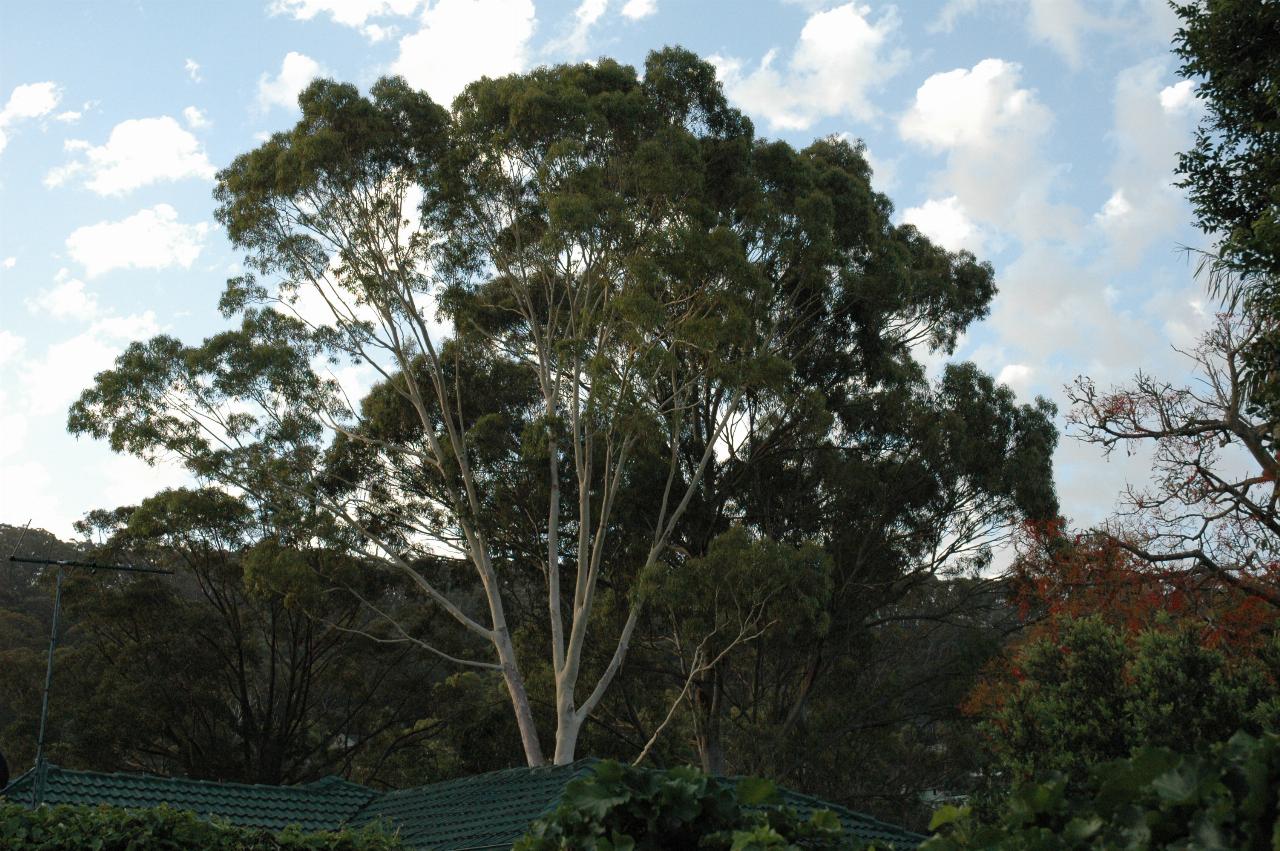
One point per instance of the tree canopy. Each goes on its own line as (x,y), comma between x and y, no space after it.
(607,325)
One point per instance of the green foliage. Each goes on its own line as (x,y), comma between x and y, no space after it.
(1090,693)
(1227,799)
(1232,173)
(620,807)
(102,828)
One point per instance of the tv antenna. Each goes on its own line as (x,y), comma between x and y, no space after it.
(62,565)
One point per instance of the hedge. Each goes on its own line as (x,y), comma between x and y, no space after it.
(163,828)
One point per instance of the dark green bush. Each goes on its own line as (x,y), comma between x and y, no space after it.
(85,828)
(1227,799)
(624,808)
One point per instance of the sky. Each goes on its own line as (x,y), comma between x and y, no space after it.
(1040,134)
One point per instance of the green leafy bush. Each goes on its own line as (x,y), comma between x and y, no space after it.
(1228,799)
(77,828)
(1089,692)
(624,808)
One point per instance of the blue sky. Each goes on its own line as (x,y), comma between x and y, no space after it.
(1040,134)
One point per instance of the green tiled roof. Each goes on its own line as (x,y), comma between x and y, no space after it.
(323,805)
(487,811)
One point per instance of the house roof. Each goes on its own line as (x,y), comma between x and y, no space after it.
(486,811)
(323,805)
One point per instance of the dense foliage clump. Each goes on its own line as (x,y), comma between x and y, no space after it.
(1228,798)
(623,807)
(1085,692)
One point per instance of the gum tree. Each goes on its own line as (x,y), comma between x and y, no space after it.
(572,290)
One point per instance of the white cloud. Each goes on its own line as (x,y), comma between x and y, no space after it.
(11,345)
(138,152)
(462,40)
(30,100)
(637,9)
(992,131)
(32,499)
(969,107)
(840,58)
(1017,376)
(1151,124)
(350,13)
(192,68)
(71,116)
(67,300)
(1063,25)
(1115,210)
(54,380)
(946,223)
(1179,97)
(585,16)
(129,480)
(296,71)
(150,239)
(10,262)
(195,118)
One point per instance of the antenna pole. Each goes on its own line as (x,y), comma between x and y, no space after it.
(37,786)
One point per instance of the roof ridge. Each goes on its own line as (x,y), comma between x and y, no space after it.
(146,775)
(477,778)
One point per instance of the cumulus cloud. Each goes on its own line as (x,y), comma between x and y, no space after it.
(971,107)
(9,262)
(150,239)
(139,152)
(1017,376)
(1180,97)
(1152,122)
(192,68)
(357,14)
(992,131)
(637,9)
(585,17)
(68,299)
(459,41)
(945,222)
(296,71)
(841,57)
(30,100)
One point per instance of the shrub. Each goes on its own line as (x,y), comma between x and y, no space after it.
(1228,798)
(1087,692)
(102,828)
(624,808)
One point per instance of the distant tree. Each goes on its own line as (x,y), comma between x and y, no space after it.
(241,666)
